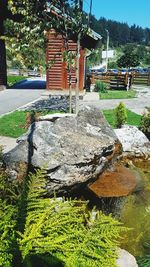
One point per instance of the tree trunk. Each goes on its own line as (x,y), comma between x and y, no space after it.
(77,73)
(3,68)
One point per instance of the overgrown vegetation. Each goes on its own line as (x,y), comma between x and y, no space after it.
(132,118)
(38,231)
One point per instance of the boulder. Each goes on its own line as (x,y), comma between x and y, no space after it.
(74,150)
(134,142)
(126,259)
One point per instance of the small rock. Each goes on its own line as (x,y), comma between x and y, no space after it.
(126,259)
(134,142)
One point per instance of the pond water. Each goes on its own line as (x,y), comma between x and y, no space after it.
(132,210)
(135,214)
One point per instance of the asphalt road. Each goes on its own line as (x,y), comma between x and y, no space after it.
(12,99)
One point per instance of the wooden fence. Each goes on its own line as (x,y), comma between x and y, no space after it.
(121,81)
(141,78)
(115,80)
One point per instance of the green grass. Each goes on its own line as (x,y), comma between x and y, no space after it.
(132,118)
(13,124)
(118,94)
(14,79)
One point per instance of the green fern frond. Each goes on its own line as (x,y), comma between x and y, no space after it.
(64,230)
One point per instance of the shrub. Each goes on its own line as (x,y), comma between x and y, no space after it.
(120,115)
(145,123)
(100,87)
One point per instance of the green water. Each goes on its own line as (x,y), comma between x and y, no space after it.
(135,214)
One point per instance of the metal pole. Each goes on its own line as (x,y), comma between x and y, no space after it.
(107,48)
(90,13)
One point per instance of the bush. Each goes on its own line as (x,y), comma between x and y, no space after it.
(100,87)
(145,123)
(120,115)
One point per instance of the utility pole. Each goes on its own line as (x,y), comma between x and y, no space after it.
(107,48)
(90,13)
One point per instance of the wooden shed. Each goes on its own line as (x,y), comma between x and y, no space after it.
(57,74)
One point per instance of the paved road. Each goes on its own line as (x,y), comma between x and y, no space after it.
(12,99)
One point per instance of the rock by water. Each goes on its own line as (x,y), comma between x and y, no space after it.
(134,142)
(117,182)
(126,259)
(74,150)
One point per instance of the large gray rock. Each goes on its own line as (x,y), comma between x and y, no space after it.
(126,259)
(74,150)
(134,142)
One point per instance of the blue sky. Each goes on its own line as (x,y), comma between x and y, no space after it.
(130,11)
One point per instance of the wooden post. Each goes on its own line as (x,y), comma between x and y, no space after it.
(149,78)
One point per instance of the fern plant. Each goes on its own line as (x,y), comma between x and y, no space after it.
(8,213)
(38,231)
(63,230)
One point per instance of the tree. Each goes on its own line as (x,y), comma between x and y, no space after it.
(120,115)
(37,17)
(129,59)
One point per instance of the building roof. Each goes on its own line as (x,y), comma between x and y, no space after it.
(90,40)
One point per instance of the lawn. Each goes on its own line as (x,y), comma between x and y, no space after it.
(118,94)
(11,79)
(15,123)
(132,118)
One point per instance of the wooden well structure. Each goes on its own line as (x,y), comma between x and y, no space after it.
(57,74)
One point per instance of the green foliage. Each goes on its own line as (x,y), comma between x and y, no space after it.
(95,57)
(120,114)
(53,232)
(100,87)
(132,118)
(112,65)
(145,261)
(128,60)
(145,122)
(8,213)
(64,230)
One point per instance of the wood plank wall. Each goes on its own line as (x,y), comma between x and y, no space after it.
(57,74)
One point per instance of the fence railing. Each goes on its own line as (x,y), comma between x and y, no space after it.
(115,80)
(121,81)
(141,78)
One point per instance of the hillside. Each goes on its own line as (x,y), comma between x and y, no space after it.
(120,33)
